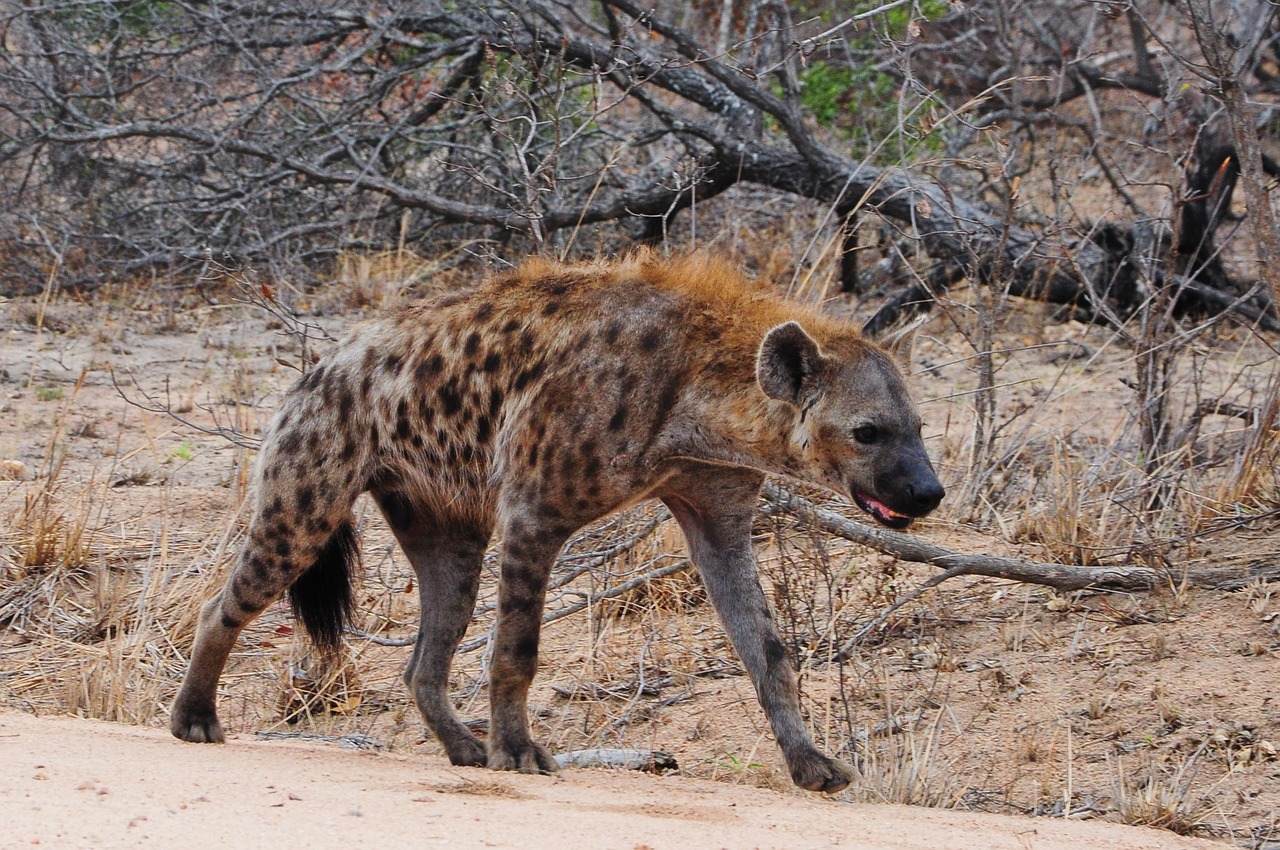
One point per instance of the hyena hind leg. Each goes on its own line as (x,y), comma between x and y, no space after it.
(447,561)
(269,565)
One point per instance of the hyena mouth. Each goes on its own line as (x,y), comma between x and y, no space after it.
(883,514)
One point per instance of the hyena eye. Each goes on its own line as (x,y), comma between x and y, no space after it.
(866,434)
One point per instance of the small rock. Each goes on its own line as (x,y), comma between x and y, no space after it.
(14,470)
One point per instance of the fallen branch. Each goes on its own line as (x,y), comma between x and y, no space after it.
(650,761)
(1063,577)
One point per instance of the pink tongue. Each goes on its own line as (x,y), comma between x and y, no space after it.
(880,507)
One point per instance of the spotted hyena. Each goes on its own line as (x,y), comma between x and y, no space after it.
(543,399)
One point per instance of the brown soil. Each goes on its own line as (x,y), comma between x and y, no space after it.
(983,695)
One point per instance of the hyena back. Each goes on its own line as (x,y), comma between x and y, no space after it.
(540,401)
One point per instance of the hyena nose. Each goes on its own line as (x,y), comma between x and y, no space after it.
(927,494)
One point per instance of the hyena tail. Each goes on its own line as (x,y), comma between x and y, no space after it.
(323,598)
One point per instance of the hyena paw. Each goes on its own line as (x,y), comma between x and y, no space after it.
(198,726)
(466,752)
(526,757)
(815,772)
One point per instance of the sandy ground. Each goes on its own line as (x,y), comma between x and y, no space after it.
(74,783)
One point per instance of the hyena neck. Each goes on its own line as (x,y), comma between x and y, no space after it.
(744,429)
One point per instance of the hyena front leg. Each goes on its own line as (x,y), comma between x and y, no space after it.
(529,548)
(715,509)
(447,562)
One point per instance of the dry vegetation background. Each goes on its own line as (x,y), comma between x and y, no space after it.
(165,287)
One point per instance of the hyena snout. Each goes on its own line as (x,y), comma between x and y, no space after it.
(925,493)
(902,493)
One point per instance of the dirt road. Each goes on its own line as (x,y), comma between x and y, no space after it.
(70,783)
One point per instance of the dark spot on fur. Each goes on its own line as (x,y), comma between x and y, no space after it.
(229,622)
(592,467)
(619,418)
(612,331)
(291,442)
(306,499)
(774,652)
(495,401)
(533,456)
(312,378)
(483,429)
(492,362)
(511,327)
(472,345)
(272,510)
(450,398)
(348,449)
(416,441)
(668,398)
(485,311)
(550,308)
(652,337)
(393,363)
(260,568)
(313,441)
(282,548)
(429,366)
(345,403)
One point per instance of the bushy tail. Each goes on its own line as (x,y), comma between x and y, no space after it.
(323,599)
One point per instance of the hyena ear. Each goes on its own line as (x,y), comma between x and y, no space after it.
(788,363)
(900,342)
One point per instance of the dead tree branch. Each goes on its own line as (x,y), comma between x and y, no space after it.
(1062,577)
(907,547)
(350,126)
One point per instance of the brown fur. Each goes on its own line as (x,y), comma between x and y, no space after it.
(543,399)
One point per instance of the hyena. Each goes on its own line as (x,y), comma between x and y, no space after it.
(541,400)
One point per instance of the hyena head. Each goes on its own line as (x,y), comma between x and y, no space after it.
(856,430)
